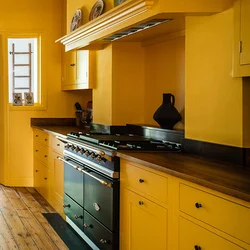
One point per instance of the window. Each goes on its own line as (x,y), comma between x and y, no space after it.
(23,67)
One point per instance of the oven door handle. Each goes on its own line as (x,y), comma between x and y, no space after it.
(85,172)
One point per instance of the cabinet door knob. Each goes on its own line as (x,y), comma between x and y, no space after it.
(45,178)
(198,205)
(141,202)
(66,205)
(86,225)
(72,65)
(58,145)
(78,217)
(196,247)
(36,170)
(103,241)
(141,180)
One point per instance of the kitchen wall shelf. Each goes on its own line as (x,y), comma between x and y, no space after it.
(130,14)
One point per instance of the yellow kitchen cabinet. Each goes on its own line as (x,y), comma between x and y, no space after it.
(160,211)
(241,61)
(41,179)
(48,170)
(78,70)
(195,237)
(58,182)
(143,223)
(143,209)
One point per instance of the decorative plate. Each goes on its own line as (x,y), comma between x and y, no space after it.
(96,10)
(117,2)
(76,20)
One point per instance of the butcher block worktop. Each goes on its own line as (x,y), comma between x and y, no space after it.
(223,177)
(227,178)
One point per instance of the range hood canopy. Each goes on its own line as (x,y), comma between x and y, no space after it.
(134,16)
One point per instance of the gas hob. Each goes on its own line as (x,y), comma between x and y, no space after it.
(125,142)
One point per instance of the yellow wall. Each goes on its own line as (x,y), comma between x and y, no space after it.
(102,92)
(128,83)
(164,73)
(32,16)
(132,78)
(213,99)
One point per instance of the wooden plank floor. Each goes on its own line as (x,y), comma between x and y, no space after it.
(22,225)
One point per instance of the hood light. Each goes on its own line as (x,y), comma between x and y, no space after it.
(135,29)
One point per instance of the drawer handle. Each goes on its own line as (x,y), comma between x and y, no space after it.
(104,241)
(72,64)
(66,205)
(198,205)
(36,135)
(86,225)
(45,139)
(58,145)
(141,180)
(141,203)
(45,156)
(196,247)
(36,150)
(78,217)
(45,178)
(36,170)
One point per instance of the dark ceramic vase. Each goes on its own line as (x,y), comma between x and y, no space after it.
(167,115)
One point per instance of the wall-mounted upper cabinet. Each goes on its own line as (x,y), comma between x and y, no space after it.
(134,16)
(241,62)
(78,70)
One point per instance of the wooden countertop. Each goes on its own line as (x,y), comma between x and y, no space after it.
(223,177)
(227,178)
(61,130)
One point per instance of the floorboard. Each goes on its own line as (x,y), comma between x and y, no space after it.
(22,225)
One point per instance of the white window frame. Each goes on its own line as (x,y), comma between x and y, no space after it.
(40,103)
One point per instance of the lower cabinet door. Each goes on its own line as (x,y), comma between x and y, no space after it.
(195,237)
(99,234)
(143,224)
(73,211)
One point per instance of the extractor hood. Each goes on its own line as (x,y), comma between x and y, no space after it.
(135,16)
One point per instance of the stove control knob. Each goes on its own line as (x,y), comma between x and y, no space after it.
(67,146)
(73,147)
(87,153)
(93,155)
(82,151)
(77,149)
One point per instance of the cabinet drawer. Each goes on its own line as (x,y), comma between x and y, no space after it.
(41,152)
(141,180)
(57,145)
(193,236)
(223,214)
(41,137)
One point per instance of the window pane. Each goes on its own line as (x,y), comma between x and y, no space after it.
(23,51)
(21,71)
(21,59)
(22,83)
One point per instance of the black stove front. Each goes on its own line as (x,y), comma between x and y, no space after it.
(91,182)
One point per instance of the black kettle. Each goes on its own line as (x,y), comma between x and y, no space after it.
(167,115)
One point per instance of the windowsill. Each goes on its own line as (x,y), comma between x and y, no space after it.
(36,107)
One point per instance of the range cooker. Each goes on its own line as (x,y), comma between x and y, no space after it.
(91,183)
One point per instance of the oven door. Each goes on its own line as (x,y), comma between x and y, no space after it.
(101,200)
(73,180)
